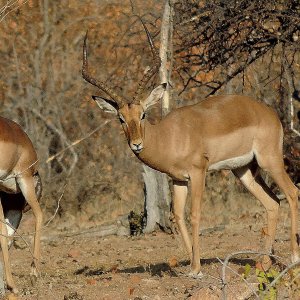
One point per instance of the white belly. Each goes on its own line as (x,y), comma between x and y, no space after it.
(232,163)
(13,219)
(8,183)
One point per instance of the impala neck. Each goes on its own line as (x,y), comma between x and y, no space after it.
(153,152)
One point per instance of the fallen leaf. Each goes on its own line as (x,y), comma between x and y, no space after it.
(91,281)
(259,266)
(114,269)
(74,253)
(264,231)
(173,262)
(241,271)
(135,279)
(130,291)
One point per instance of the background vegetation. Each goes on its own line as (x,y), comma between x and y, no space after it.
(219,47)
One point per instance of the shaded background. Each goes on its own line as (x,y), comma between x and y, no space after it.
(219,47)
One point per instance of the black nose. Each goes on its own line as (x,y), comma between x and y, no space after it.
(137,147)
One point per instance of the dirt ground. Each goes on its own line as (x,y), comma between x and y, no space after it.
(78,264)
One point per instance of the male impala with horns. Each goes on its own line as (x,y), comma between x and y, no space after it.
(232,132)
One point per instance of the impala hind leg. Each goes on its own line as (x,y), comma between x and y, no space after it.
(28,189)
(4,247)
(179,201)
(275,168)
(258,188)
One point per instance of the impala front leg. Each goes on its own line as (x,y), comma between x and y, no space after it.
(197,186)
(179,201)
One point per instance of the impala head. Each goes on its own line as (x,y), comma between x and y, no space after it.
(131,113)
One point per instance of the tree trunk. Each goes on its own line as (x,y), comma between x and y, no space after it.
(157,200)
(2,288)
(157,190)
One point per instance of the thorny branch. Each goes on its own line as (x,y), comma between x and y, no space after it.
(236,273)
(289,267)
(226,37)
(225,266)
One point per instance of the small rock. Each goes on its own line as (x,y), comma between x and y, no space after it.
(53,243)
(123,231)
(19,244)
(206,294)
(73,296)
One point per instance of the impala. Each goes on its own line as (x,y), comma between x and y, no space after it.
(232,132)
(19,176)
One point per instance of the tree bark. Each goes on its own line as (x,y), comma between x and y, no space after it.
(2,288)
(157,200)
(157,190)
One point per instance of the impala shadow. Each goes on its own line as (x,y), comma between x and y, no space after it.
(159,269)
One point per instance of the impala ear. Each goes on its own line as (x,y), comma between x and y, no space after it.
(107,105)
(154,96)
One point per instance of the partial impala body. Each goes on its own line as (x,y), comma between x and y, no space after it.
(20,184)
(223,132)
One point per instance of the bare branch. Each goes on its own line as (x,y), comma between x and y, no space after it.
(9,7)
(225,265)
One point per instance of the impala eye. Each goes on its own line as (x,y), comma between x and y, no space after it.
(143,116)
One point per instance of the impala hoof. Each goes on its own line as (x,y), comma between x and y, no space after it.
(196,275)
(14,291)
(295,258)
(33,275)
(266,263)
(10,284)
(33,279)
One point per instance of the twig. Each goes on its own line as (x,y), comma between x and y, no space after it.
(57,207)
(17,175)
(292,117)
(289,79)
(236,273)
(77,142)
(284,271)
(60,134)
(225,265)
(16,234)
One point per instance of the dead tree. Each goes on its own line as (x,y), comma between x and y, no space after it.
(157,191)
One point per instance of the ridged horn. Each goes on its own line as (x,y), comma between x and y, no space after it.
(99,84)
(154,69)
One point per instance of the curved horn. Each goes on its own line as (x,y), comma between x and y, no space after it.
(155,68)
(99,84)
